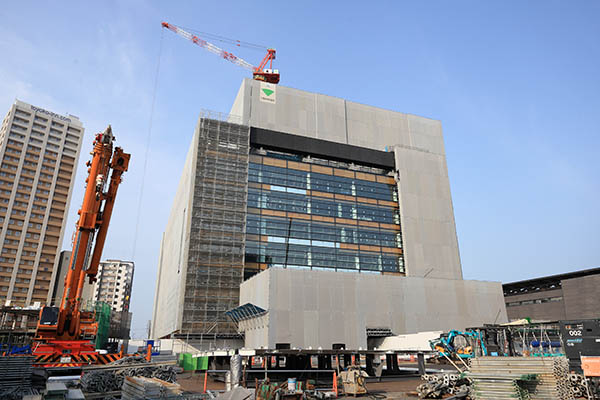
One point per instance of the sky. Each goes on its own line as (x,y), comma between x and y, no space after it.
(516,85)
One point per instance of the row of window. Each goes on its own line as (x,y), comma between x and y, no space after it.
(19,222)
(23,253)
(34,149)
(33,140)
(22,271)
(43,168)
(30,181)
(298,203)
(10,232)
(16,243)
(278,176)
(37,119)
(534,301)
(306,230)
(282,254)
(27,188)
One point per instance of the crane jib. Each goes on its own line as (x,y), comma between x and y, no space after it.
(260,73)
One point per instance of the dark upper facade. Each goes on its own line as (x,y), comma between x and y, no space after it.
(568,296)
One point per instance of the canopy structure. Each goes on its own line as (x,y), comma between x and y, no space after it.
(245,312)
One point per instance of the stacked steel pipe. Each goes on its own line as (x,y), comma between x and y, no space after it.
(520,377)
(99,381)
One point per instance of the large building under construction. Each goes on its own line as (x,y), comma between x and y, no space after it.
(332,219)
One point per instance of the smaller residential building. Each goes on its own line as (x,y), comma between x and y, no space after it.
(113,286)
(568,296)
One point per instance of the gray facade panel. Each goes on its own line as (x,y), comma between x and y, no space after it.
(581,297)
(170,278)
(427,215)
(348,304)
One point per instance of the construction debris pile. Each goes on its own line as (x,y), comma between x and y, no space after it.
(15,377)
(436,386)
(138,387)
(109,380)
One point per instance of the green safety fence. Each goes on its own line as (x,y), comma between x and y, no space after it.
(202,363)
(103,312)
(190,363)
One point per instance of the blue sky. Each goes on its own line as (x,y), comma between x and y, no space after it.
(515,84)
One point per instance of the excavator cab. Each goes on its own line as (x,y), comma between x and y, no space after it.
(48,316)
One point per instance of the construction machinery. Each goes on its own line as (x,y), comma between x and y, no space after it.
(260,73)
(64,333)
(458,344)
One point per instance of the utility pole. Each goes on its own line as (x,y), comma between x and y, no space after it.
(148,328)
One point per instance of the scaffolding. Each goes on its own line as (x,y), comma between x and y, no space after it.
(217,234)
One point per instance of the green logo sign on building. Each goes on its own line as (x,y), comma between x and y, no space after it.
(268,92)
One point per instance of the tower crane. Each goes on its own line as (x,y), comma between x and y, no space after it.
(65,331)
(260,73)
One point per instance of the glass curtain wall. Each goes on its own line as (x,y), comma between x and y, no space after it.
(307,215)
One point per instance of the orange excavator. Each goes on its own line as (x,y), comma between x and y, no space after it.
(64,333)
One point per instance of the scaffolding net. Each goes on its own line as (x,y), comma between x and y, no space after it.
(217,234)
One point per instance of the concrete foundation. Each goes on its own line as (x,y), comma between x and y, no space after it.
(312,308)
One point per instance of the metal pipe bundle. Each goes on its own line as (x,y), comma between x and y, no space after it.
(15,377)
(525,377)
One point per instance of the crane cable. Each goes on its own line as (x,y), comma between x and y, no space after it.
(224,39)
(148,141)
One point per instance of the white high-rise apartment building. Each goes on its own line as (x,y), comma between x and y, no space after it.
(39,151)
(113,286)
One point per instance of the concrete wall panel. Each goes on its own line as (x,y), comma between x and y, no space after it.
(402,304)
(241,103)
(331,118)
(426,215)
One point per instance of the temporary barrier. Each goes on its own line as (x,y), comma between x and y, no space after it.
(103,312)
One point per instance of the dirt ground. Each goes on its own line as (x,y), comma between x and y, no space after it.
(194,382)
(397,389)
